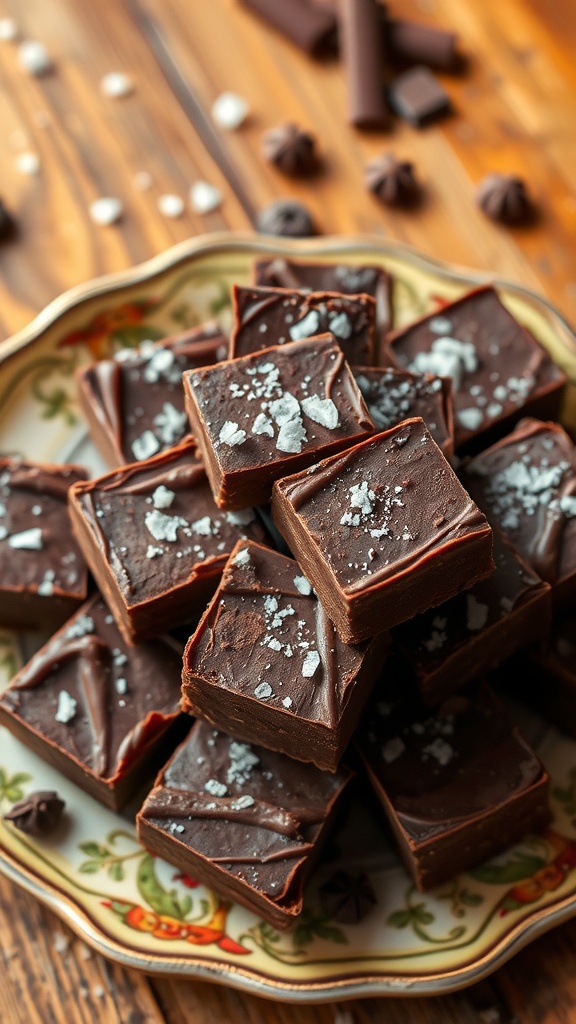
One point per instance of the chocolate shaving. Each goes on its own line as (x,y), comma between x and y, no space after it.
(38,814)
(291,150)
(182,803)
(504,197)
(393,181)
(347,896)
(364,60)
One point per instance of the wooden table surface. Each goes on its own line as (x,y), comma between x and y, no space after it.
(514,110)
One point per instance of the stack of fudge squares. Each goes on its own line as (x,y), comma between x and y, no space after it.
(319,545)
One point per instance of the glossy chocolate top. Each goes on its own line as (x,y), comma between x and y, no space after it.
(526,485)
(137,396)
(443,769)
(346,278)
(273,316)
(431,637)
(394,395)
(496,365)
(383,507)
(156,524)
(90,694)
(267,637)
(299,398)
(37,551)
(253,812)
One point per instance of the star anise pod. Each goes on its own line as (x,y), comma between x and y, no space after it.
(292,150)
(505,198)
(393,181)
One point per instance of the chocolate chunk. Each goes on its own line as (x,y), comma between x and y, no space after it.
(38,814)
(393,181)
(347,896)
(286,217)
(364,59)
(505,198)
(418,97)
(413,43)
(292,150)
(7,223)
(312,28)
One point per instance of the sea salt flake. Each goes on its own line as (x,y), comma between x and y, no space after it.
(162,497)
(170,205)
(284,409)
(121,685)
(231,434)
(243,517)
(202,527)
(153,552)
(170,423)
(340,326)
(262,425)
(8,30)
(287,702)
(215,788)
(263,691)
(66,707)
(476,613)
(471,418)
(242,803)
(392,749)
(163,527)
(204,197)
(322,411)
(440,750)
(106,210)
(291,436)
(230,110)
(28,163)
(307,327)
(303,586)
(243,557)
(33,57)
(116,84)
(310,664)
(28,540)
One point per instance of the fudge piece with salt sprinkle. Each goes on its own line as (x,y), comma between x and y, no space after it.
(458,785)
(266,663)
(526,485)
(393,395)
(446,647)
(134,403)
(243,820)
(101,712)
(271,413)
(499,371)
(43,576)
(272,316)
(155,541)
(384,530)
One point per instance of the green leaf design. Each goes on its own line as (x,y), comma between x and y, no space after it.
(11,785)
(421,915)
(470,899)
(221,301)
(331,932)
(161,900)
(90,867)
(116,871)
(521,866)
(92,849)
(399,919)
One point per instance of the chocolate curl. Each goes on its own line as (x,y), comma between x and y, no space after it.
(312,28)
(422,44)
(362,44)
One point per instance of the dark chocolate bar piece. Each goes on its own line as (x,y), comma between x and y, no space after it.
(448,646)
(266,663)
(457,785)
(384,530)
(243,820)
(262,416)
(499,371)
(43,576)
(155,541)
(347,278)
(311,27)
(393,395)
(362,44)
(134,403)
(526,485)
(273,316)
(417,97)
(95,708)
(415,43)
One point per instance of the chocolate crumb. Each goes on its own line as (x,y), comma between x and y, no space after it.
(7,224)
(285,217)
(38,814)
(505,198)
(393,181)
(291,149)
(347,896)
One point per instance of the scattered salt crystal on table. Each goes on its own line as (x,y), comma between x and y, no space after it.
(28,163)
(142,181)
(106,210)
(229,110)
(8,30)
(171,205)
(34,58)
(116,84)
(205,197)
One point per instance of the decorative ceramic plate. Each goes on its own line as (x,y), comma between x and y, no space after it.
(140,911)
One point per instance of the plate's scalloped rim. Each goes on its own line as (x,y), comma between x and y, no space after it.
(369,983)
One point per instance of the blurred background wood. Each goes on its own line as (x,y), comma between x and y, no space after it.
(514,109)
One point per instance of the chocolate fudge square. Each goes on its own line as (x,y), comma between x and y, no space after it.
(458,785)
(499,371)
(43,576)
(393,395)
(271,413)
(266,664)
(155,541)
(96,709)
(346,278)
(544,675)
(526,485)
(383,531)
(134,403)
(272,316)
(446,647)
(241,819)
